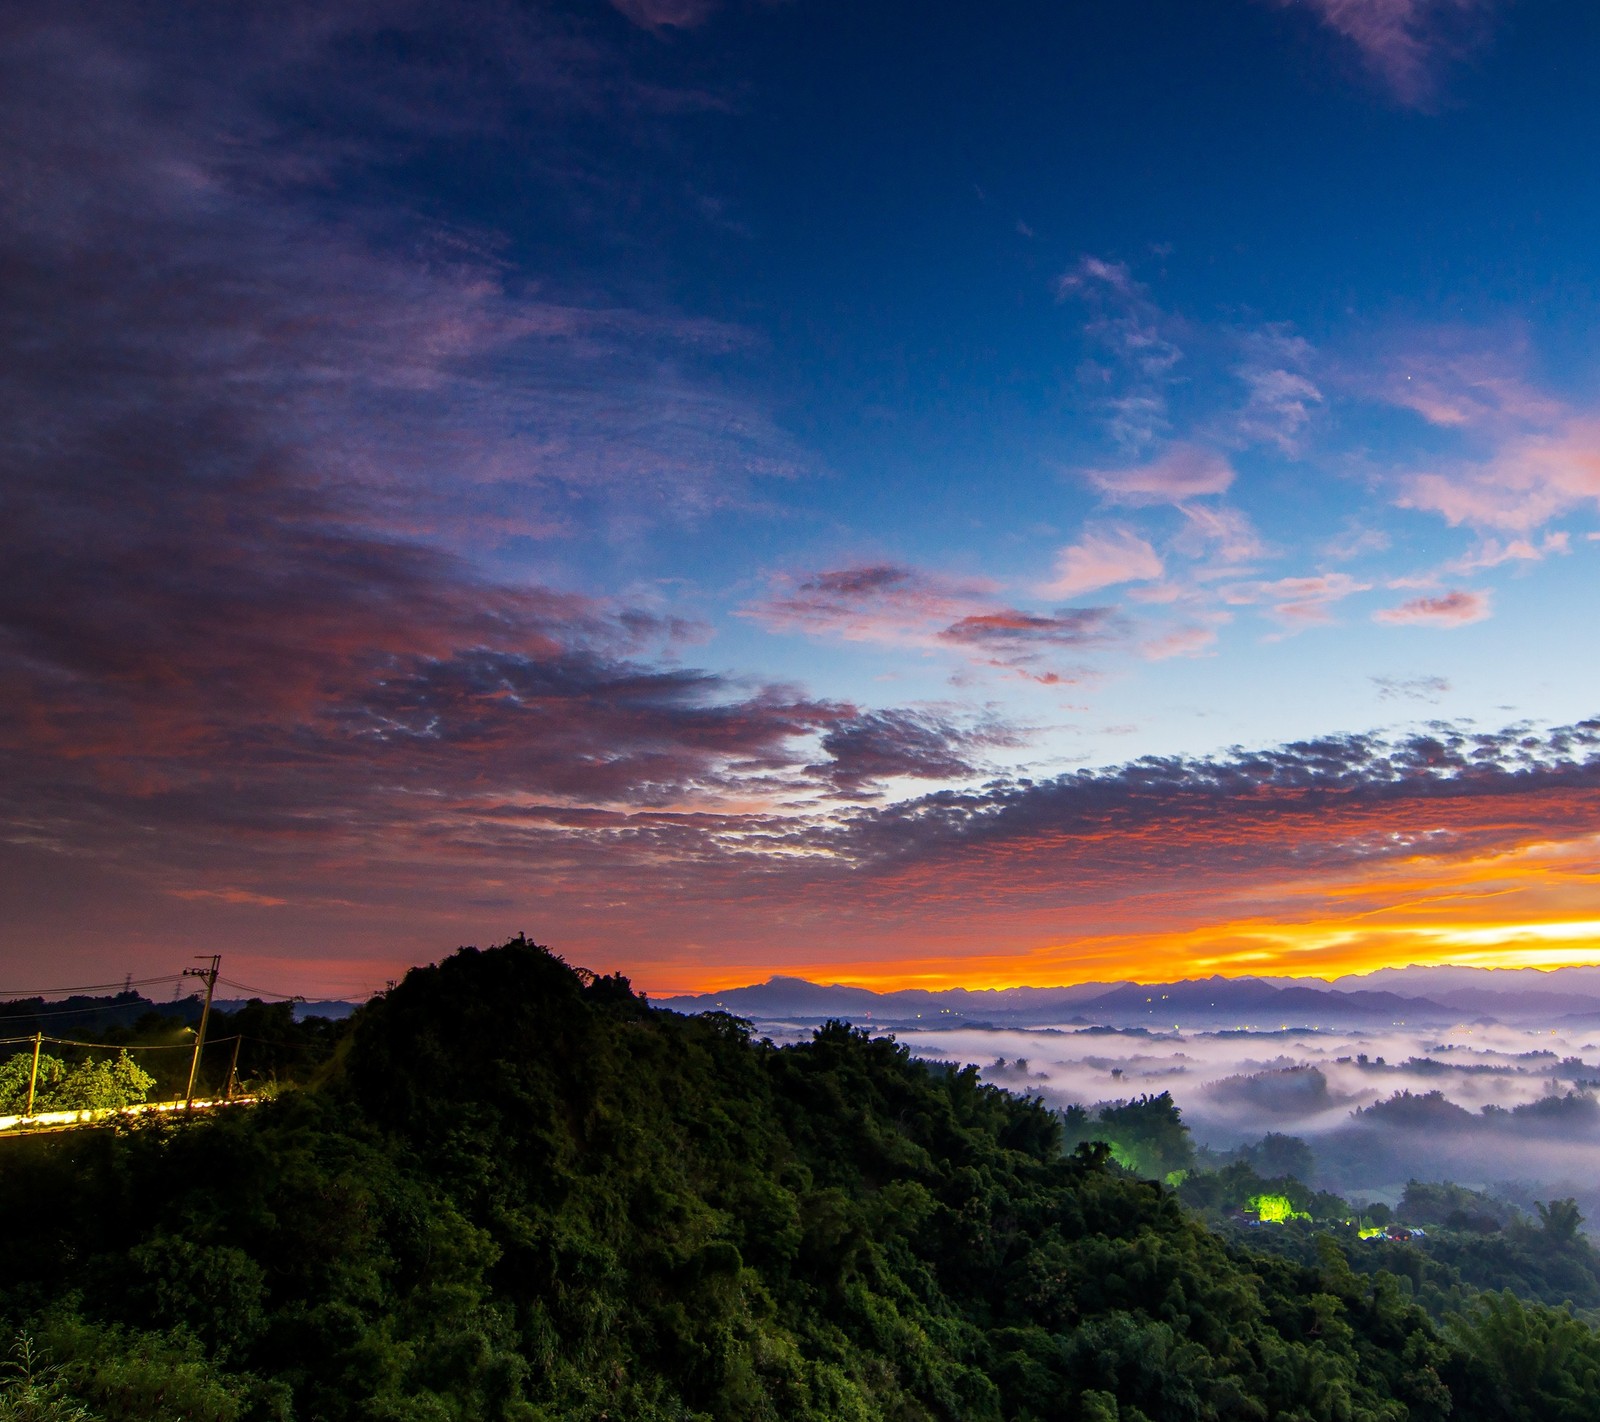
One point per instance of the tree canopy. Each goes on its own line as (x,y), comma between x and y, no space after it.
(519,1192)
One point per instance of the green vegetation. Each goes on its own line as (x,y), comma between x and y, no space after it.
(97,1068)
(1474,1242)
(1146,1135)
(87,1086)
(518,1192)
(1276,1209)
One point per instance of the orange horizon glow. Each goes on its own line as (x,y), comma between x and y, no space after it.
(1000,974)
(1417,912)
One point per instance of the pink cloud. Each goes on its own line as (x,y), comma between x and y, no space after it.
(1103,558)
(1183,472)
(1492,553)
(895,605)
(1226,533)
(1300,601)
(1189,641)
(1452,609)
(1402,40)
(1527,481)
(874,602)
(1454,386)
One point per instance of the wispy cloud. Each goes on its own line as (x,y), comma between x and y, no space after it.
(1403,41)
(1137,349)
(1282,397)
(1451,609)
(1494,553)
(1183,472)
(1431,689)
(897,605)
(891,603)
(1527,481)
(660,14)
(1515,457)
(1225,535)
(1298,602)
(1106,556)
(1030,642)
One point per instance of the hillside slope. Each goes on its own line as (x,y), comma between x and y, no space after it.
(524,1194)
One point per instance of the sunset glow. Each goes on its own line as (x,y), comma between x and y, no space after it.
(733,490)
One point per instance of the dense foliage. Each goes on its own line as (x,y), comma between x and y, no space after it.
(519,1192)
(102,1084)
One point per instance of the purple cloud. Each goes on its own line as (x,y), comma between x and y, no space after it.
(1402,41)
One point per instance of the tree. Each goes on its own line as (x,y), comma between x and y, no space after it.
(1560,1219)
(1147,1135)
(90,1086)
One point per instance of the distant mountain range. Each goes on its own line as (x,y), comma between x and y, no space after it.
(1436,997)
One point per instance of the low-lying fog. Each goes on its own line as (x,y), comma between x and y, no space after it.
(1496,1106)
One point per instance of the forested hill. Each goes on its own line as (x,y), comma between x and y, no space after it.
(521,1193)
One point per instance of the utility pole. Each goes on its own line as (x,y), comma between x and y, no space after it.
(233,1068)
(210,976)
(33,1077)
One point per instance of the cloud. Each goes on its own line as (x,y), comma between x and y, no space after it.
(1183,472)
(897,605)
(1431,689)
(258,439)
(1527,481)
(1492,553)
(875,746)
(1225,534)
(1022,641)
(1186,641)
(1104,557)
(1329,824)
(1137,345)
(1093,274)
(1301,601)
(1520,457)
(1282,398)
(1402,41)
(1376,1105)
(1447,378)
(1356,542)
(659,14)
(890,603)
(1451,609)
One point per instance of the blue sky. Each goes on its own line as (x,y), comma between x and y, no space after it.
(467,457)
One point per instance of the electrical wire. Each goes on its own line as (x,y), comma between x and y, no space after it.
(260,992)
(121,984)
(80,1011)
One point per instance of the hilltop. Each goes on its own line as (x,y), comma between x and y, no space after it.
(519,1192)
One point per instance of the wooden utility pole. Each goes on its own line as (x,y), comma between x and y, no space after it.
(233,1067)
(33,1076)
(210,976)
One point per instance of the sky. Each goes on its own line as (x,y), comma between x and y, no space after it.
(894,494)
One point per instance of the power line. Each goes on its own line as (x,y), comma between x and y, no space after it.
(261,992)
(121,985)
(80,1011)
(103,1046)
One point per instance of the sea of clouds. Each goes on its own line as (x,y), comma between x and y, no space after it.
(1493,1106)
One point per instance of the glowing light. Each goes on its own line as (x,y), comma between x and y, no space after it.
(1276,1209)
